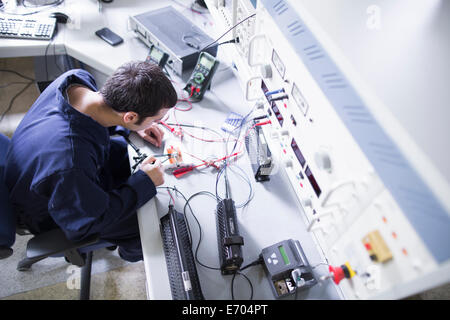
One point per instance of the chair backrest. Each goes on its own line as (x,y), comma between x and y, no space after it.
(7,217)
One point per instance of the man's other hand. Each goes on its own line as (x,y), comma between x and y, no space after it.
(152,134)
(152,167)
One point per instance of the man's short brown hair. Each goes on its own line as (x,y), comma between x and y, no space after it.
(140,87)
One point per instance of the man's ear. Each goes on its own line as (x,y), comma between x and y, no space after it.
(130,117)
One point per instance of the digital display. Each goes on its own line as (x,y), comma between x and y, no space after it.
(265,89)
(298,153)
(207,63)
(277,113)
(313,182)
(284,255)
(156,54)
(299,99)
(279,65)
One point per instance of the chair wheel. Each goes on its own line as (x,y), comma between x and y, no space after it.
(111,248)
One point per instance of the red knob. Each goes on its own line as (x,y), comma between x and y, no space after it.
(338,273)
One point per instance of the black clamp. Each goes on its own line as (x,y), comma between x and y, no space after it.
(233,240)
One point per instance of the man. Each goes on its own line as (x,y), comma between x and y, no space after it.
(63,168)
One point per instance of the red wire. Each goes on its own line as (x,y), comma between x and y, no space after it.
(212,163)
(170,194)
(167,126)
(181,130)
(248,131)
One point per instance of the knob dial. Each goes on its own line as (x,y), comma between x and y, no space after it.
(323,161)
(199,77)
(288,163)
(274,135)
(306,202)
(266,71)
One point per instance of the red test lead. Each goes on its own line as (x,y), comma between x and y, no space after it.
(167,126)
(182,171)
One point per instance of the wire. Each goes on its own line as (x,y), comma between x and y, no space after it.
(250,16)
(171,197)
(11,84)
(28,84)
(243,122)
(222,139)
(167,73)
(245,178)
(17,73)
(236,40)
(254,263)
(199,226)
(198,127)
(45,57)
(187,205)
(249,282)
(13,99)
(55,58)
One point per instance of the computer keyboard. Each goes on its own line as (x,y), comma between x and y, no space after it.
(36,28)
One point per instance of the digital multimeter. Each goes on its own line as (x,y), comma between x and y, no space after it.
(287,268)
(157,56)
(201,77)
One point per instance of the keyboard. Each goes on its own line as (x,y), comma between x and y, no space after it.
(27,28)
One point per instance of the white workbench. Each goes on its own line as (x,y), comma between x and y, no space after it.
(274,213)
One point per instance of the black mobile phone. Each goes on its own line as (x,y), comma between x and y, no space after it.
(109,36)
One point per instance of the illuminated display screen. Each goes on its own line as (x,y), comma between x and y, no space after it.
(206,62)
(278,63)
(156,54)
(298,153)
(299,99)
(264,89)
(313,182)
(277,113)
(284,255)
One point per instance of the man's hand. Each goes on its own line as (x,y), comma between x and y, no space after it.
(152,134)
(152,167)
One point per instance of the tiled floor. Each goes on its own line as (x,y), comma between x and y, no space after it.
(23,66)
(123,283)
(126,283)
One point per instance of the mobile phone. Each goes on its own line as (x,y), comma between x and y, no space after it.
(109,36)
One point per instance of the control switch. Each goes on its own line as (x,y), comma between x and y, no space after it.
(376,247)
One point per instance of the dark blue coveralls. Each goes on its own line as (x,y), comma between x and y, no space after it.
(63,169)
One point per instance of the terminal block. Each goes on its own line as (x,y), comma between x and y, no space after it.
(376,247)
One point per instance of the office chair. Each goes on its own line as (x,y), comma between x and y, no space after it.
(48,244)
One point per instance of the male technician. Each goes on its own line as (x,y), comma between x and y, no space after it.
(63,168)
